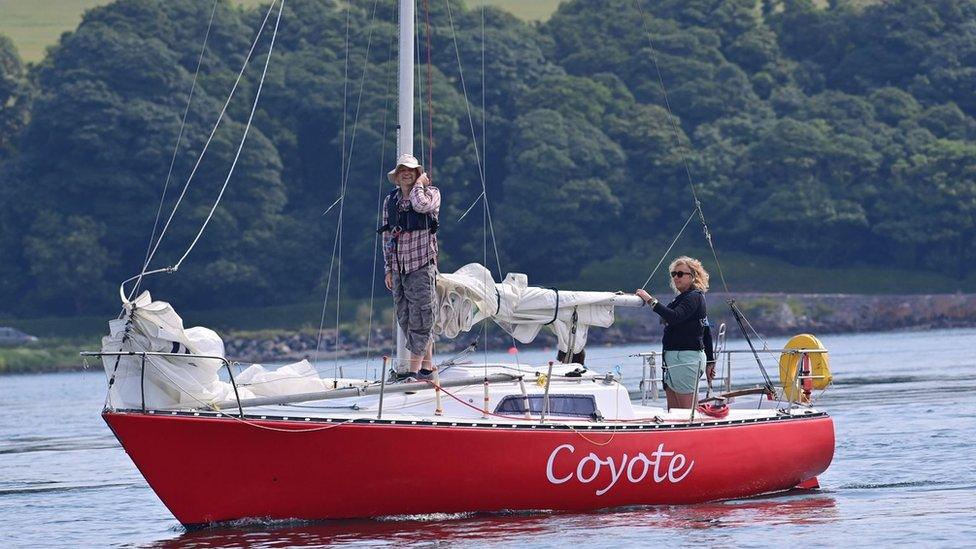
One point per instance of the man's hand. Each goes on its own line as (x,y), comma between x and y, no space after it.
(389,281)
(710,370)
(423,180)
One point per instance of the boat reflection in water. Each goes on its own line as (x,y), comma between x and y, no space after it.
(626,524)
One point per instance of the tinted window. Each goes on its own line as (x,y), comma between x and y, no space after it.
(559,405)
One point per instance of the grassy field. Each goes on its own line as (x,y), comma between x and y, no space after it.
(530,10)
(34,25)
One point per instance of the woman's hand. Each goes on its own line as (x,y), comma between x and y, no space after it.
(389,281)
(710,370)
(644,295)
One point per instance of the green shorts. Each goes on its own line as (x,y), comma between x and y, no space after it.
(682,370)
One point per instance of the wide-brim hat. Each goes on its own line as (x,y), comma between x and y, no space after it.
(407,161)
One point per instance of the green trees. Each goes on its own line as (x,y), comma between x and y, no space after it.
(67,261)
(930,211)
(821,135)
(15,95)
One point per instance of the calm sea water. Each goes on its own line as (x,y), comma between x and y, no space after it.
(904,470)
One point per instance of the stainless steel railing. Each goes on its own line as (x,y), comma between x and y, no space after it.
(144,354)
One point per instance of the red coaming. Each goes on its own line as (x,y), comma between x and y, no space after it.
(210,469)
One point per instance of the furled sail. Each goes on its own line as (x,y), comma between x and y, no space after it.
(186,381)
(470,295)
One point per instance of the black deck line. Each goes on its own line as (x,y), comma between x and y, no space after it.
(468,424)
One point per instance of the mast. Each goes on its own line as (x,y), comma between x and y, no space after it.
(405,121)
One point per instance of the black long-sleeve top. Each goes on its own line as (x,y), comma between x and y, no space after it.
(686,324)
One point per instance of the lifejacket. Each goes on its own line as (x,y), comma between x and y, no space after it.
(401,221)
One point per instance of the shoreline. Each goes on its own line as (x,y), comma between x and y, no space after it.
(771,315)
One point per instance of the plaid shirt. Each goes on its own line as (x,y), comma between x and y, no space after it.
(414,249)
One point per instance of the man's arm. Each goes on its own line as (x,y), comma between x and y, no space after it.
(425,199)
(387,253)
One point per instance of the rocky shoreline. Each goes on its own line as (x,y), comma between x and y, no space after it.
(770,314)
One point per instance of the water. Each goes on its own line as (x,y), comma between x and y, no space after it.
(904,406)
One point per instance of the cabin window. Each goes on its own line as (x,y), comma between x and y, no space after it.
(559,405)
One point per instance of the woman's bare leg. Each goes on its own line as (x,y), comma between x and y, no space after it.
(672,401)
(679,400)
(683,400)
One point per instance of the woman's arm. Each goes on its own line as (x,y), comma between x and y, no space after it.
(683,311)
(707,341)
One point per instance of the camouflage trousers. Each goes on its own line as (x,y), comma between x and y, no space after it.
(413,295)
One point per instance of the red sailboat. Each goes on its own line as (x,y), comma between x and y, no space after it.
(289,444)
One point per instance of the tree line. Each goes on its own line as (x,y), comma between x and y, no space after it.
(827,136)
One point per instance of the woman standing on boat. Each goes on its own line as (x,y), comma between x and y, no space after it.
(410,256)
(687,337)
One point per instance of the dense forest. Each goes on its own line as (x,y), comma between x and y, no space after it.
(826,136)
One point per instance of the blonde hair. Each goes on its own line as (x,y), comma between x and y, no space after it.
(699,276)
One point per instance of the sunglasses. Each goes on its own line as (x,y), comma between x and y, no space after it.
(679,274)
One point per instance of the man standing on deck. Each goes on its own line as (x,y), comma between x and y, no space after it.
(410,256)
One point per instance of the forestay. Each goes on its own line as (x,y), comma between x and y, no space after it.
(470,295)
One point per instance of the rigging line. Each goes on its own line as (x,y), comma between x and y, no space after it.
(430,93)
(677,139)
(474,140)
(359,101)
(338,300)
(673,242)
(478,157)
(471,207)
(176,149)
(379,197)
(477,150)
(342,171)
(342,159)
(754,331)
(213,131)
(240,147)
(464,90)
(337,200)
(325,301)
(420,87)
(345,179)
(737,314)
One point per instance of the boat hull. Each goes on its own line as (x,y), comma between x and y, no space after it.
(215,468)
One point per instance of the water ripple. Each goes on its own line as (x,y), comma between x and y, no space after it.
(57,489)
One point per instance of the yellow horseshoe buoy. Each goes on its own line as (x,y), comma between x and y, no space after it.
(818,365)
(541,380)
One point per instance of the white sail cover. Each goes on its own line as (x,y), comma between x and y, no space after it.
(190,382)
(470,295)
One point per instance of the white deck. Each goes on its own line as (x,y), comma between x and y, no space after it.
(465,403)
